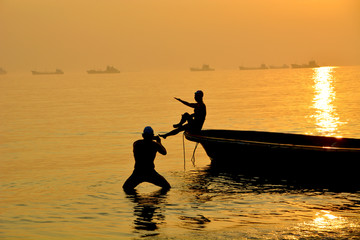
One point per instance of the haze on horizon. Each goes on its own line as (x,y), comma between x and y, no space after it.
(161,34)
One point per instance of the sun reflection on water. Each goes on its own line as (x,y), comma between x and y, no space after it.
(324,225)
(325,219)
(326,118)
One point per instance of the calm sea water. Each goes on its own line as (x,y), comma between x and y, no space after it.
(66,149)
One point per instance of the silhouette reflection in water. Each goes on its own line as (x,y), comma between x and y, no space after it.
(148,210)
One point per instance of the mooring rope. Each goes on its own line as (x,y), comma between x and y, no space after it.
(193,155)
(184,150)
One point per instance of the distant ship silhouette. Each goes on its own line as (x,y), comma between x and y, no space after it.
(262,66)
(109,69)
(205,67)
(311,64)
(279,67)
(58,71)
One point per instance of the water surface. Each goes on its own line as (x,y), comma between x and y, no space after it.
(66,149)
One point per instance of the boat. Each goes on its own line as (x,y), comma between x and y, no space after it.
(279,67)
(281,154)
(2,71)
(109,69)
(57,71)
(205,67)
(261,67)
(311,64)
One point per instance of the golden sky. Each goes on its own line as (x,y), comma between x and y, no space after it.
(136,35)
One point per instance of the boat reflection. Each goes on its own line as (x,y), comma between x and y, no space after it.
(229,180)
(306,211)
(326,117)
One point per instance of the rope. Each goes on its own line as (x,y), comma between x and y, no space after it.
(193,155)
(184,150)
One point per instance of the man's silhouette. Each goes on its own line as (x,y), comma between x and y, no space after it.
(144,153)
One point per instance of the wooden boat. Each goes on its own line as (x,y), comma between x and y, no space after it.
(280,153)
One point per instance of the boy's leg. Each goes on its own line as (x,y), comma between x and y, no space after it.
(173,132)
(185,117)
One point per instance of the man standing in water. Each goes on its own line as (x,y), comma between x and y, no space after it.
(194,121)
(144,153)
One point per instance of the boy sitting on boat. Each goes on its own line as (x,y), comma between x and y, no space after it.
(194,121)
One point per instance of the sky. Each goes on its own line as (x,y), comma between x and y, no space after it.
(137,35)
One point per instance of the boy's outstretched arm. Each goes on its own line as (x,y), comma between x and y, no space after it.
(186,103)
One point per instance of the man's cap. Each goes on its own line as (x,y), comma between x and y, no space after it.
(148,131)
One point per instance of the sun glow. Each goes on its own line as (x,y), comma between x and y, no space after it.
(326,118)
(325,224)
(323,219)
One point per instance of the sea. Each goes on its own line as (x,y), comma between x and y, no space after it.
(66,150)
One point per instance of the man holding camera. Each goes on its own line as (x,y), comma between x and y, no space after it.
(144,170)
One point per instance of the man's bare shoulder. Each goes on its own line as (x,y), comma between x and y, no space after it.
(142,142)
(137,142)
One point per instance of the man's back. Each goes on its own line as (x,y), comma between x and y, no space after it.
(145,153)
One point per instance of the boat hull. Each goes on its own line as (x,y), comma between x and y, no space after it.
(287,155)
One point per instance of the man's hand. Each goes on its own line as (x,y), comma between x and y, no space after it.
(157,139)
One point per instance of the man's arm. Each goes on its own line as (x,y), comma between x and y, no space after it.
(193,105)
(161,148)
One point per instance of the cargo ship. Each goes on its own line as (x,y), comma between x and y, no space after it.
(261,67)
(109,69)
(279,67)
(311,64)
(204,67)
(57,71)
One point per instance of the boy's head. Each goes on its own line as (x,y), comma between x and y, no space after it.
(199,95)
